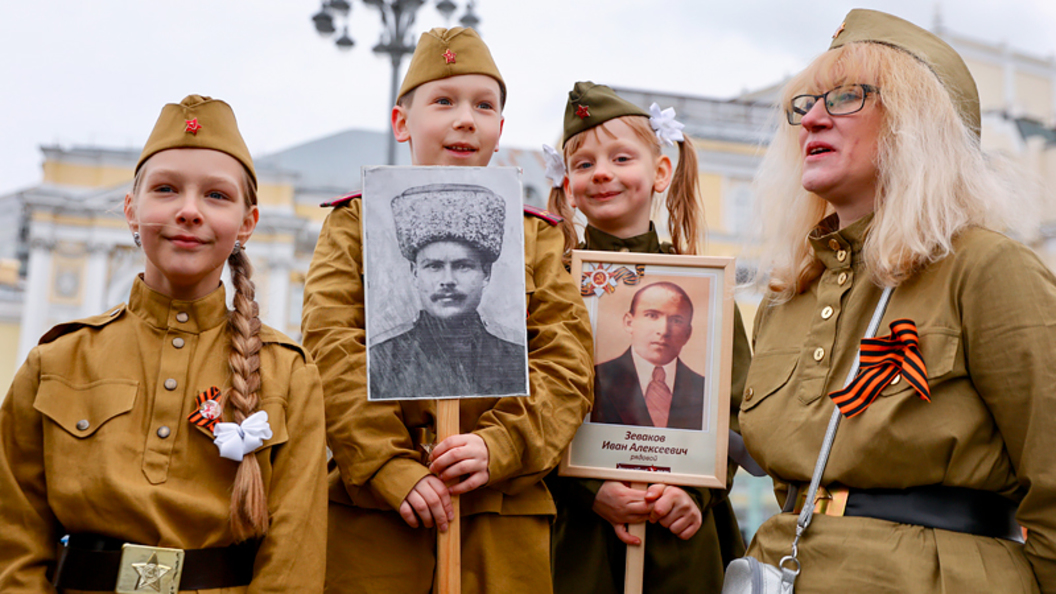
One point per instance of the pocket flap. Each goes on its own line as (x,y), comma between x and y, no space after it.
(768,373)
(939,349)
(276,409)
(81,409)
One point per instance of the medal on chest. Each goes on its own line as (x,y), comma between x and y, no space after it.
(207,409)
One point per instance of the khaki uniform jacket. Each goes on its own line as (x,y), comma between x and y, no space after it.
(587,555)
(986,315)
(377,445)
(81,452)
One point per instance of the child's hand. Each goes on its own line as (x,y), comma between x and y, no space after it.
(461,461)
(622,505)
(674,509)
(430,501)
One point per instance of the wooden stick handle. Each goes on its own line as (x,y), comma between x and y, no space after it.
(634,571)
(449,544)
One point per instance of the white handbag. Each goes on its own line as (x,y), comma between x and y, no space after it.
(748,575)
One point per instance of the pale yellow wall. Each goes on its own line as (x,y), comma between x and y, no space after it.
(275,194)
(711,193)
(91,176)
(9,333)
(1034,96)
(991,82)
(311,212)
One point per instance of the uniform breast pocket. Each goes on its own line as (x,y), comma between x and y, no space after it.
(768,374)
(938,348)
(276,409)
(82,410)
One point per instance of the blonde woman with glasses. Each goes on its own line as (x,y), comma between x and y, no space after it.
(946,448)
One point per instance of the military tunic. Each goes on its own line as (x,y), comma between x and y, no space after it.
(588,557)
(94,438)
(377,446)
(986,315)
(452,357)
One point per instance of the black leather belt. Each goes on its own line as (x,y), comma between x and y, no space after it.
(94,563)
(983,513)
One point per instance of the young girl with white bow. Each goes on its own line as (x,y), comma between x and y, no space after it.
(615,167)
(179,445)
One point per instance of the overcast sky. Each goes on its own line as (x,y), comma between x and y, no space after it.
(97,72)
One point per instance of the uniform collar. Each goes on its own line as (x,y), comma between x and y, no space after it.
(161,311)
(646,243)
(837,248)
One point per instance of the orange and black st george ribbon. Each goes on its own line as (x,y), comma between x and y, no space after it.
(882,361)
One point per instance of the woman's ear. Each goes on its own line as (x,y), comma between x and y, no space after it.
(664,172)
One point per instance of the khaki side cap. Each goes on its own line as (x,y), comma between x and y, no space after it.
(873,26)
(443,53)
(198,122)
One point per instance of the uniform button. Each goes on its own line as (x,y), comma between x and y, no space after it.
(842,278)
(163,432)
(819,354)
(826,313)
(748,394)
(834,245)
(897,379)
(840,255)
(170,384)
(182,317)
(83,425)
(178,342)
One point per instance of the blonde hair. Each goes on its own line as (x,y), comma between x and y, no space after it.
(933,180)
(686,220)
(249,502)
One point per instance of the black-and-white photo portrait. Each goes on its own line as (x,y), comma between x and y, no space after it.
(444,283)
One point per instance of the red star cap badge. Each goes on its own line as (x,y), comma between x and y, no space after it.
(193,126)
(449,56)
(583,111)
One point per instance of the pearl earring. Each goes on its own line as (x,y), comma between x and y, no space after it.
(238,247)
(135,238)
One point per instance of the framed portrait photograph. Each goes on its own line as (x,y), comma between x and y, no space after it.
(444,282)
(663,349)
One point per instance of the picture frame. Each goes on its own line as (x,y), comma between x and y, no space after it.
(443,253)
(650,312)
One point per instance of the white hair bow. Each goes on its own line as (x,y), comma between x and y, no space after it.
(236,440)
(555,166)
(667,128)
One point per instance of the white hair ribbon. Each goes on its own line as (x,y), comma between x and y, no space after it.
(555,166)
(667,128)
(236,440)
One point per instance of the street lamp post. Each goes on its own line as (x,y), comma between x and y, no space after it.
(397,20)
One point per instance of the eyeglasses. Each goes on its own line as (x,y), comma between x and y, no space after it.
(841,101)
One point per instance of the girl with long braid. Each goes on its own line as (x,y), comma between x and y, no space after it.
(179,445)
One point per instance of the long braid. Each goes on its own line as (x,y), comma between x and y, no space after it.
(249,503)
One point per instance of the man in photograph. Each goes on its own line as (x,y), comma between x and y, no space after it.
(451,234)
(649,385)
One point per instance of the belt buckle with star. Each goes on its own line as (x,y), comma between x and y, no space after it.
(149,569)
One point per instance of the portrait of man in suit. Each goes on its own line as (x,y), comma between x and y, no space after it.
(649,385)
